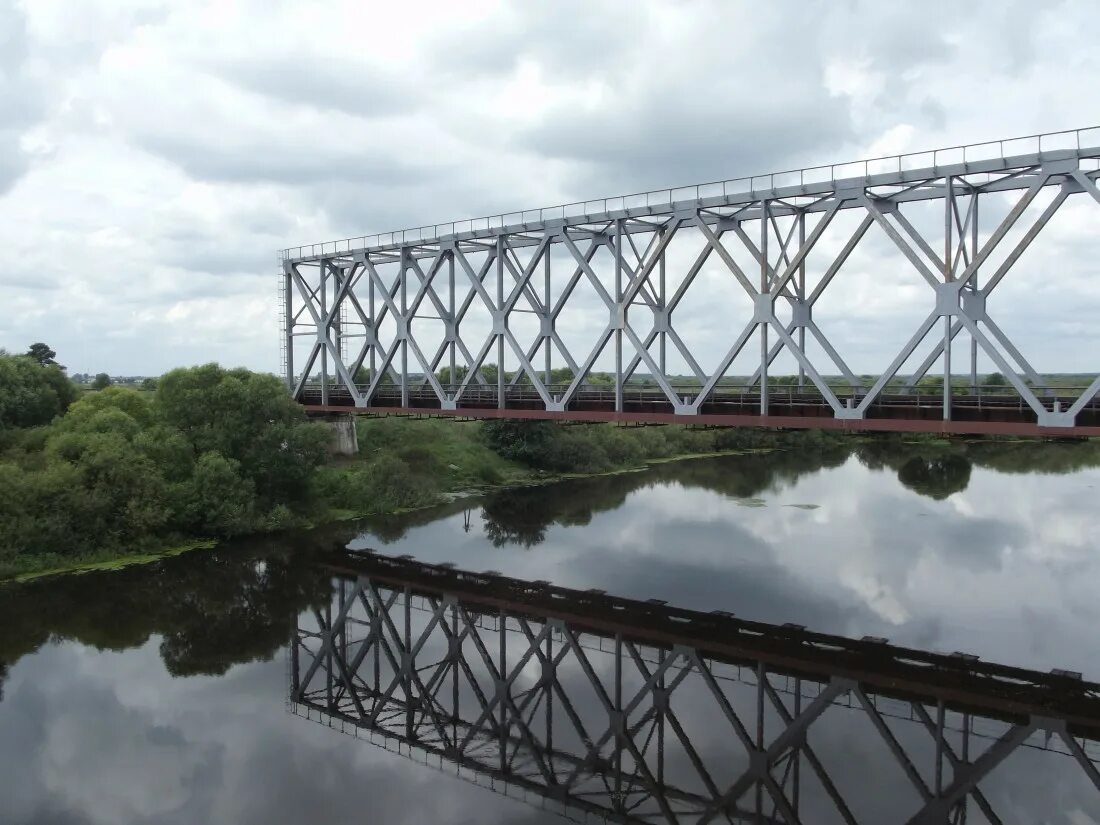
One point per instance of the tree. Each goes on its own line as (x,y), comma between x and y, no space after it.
(528,442)
(444,374)
(31,395)
(362,377)
(43,355)
(102,381)
(995,379)
(149,384)
(219,501)
(249,418)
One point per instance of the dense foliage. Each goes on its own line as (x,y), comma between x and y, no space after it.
(32,391)
(212,453)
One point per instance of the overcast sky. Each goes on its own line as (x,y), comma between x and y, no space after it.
(155,155)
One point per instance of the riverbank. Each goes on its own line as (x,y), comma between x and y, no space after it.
(408,464)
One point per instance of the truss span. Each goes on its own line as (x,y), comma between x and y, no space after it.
(483,317)
(610,709)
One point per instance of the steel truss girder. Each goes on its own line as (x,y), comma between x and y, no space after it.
(478,684)
(631,278)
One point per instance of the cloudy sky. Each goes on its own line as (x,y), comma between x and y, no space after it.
(154,156)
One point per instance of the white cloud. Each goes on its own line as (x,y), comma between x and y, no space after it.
(153,155)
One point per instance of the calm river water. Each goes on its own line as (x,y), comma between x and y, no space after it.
(160,694)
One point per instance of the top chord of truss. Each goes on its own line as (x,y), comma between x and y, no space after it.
(908,170)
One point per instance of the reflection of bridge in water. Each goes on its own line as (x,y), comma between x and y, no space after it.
(599,707)
(412,321)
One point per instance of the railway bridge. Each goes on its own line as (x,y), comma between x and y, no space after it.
(482,317)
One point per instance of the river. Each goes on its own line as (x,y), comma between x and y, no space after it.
(160,693)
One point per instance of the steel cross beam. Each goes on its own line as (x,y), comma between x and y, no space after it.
(590,702)
(775,243)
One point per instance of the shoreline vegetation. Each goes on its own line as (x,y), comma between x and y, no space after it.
(124,476)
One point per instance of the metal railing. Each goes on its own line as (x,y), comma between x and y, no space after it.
(778,394)
(1067,140)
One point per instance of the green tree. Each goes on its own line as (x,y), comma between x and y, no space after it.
(528,442)
(149,384)
(249,418)
(102,381)
(444,375)
(363,377)
(42,355)
(30,394)
(219,501)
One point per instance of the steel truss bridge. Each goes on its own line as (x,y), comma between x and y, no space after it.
(608,709)
(400,304)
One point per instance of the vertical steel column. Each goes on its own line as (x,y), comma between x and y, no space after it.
(337,326)
(295,667)
(619,720)
(661,712)
(548,699)
(500,335)
(322,271)
(549,321)
(456,661)
(288,328)
(948,259)
(374,326)
(974,284)
(761,675)
(800,288)
(502,683)
(451,377)
(342,596)
(407,663)
(940,718)
(795,778)
(330,704)
(620,312)
(403,326)
(663,302)
(763,289)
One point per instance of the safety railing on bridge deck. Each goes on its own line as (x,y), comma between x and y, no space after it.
(1087,138)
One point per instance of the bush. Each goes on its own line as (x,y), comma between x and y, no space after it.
(214,453)
(384,484)
(218,500)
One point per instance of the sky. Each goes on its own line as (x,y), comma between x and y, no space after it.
(155,156)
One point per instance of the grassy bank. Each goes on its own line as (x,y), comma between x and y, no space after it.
(406,464)
(106,560)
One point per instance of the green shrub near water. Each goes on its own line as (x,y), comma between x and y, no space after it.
(213,453)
